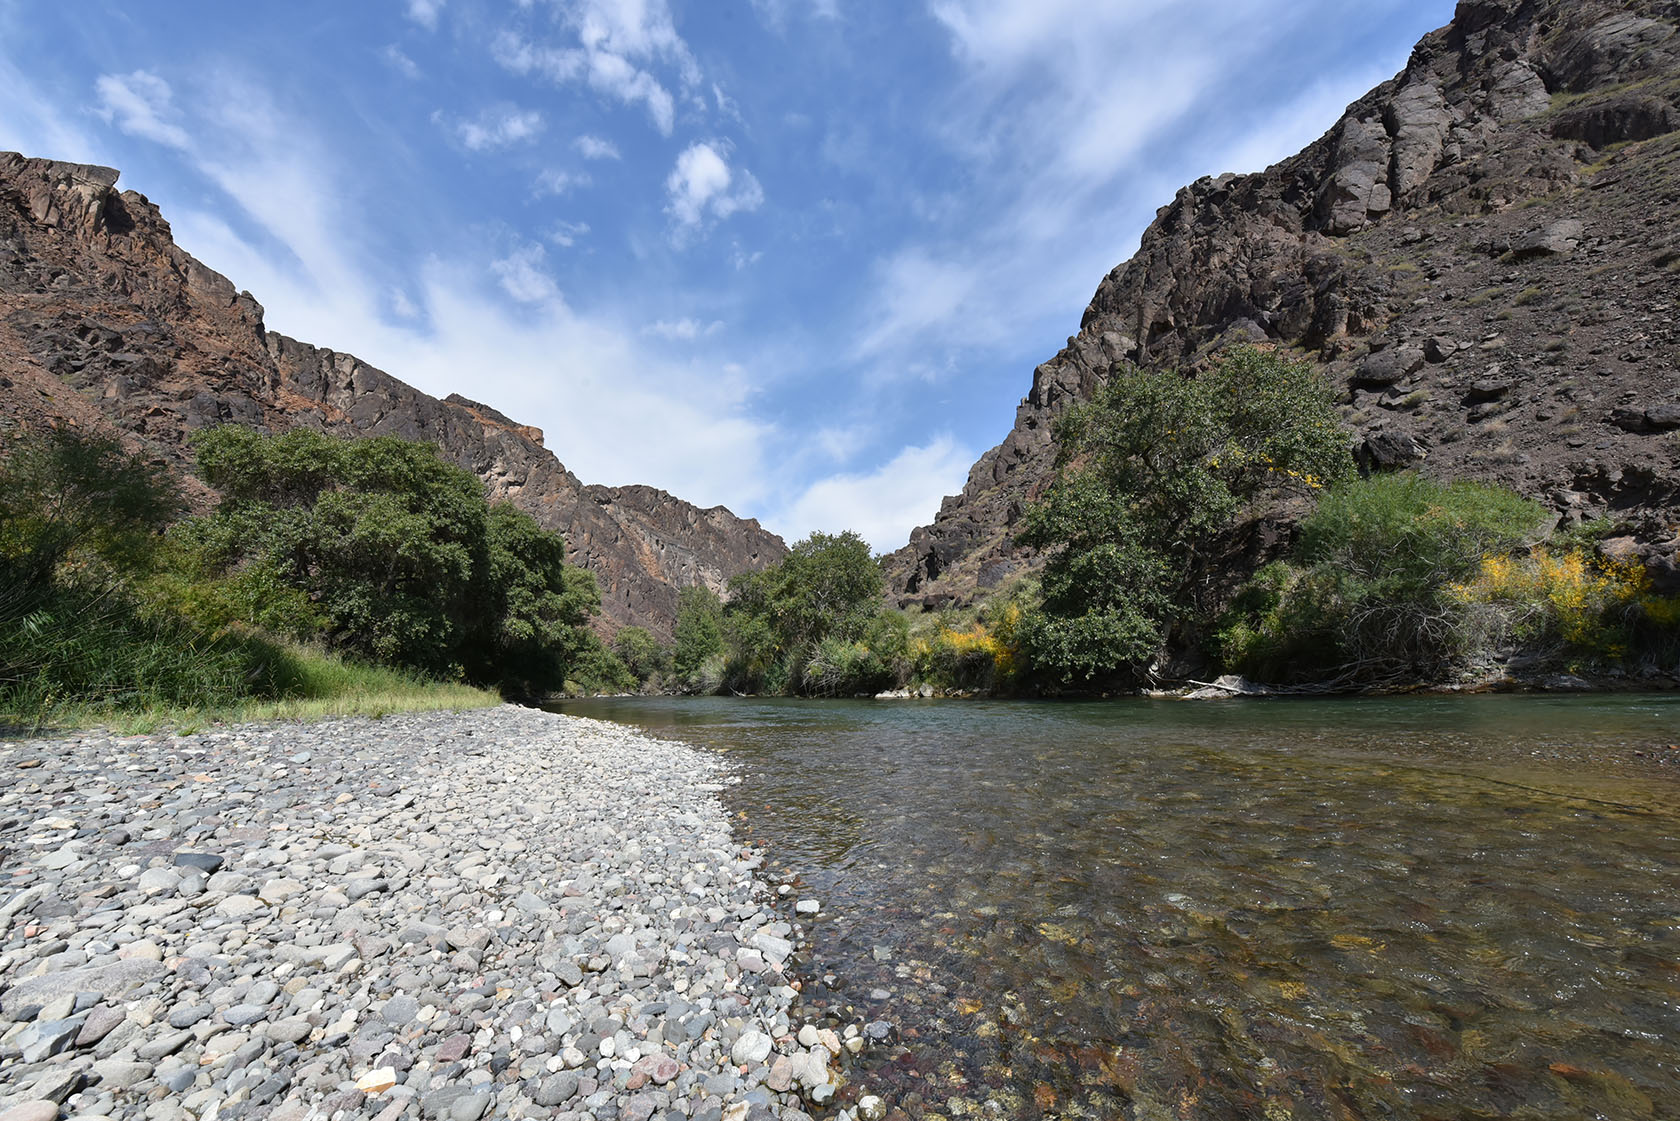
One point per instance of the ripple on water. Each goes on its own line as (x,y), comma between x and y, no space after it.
(1443,907)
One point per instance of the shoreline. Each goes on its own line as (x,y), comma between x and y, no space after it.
(495,913)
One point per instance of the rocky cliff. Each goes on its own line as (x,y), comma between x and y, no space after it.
(1483,253)
(106,323)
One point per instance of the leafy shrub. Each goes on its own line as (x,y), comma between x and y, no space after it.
(698,638)
(392,554)
(595,669)
(69,498)
(841,668)
(95,648)
(641,653)
(1370,595)
(1149,473)
(1589,607)
(968,658)
(1409,534)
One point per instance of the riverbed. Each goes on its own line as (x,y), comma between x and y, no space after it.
(1409,908)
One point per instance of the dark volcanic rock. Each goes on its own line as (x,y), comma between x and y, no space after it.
(1494,284)
(105,323)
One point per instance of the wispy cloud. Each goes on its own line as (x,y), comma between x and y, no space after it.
(499,127)
(555,183)
(399,61)
(776,13)
(885,504)
(141,104)
(596,148)
(918,293)
(684,330)
(522,277)
(567,234)
(702,185)
(613,47)
(425,12)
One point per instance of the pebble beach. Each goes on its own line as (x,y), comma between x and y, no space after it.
(495,914)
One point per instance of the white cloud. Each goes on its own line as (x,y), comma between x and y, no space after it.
(553,183)
(702,183)
(473,330)
(141,103)
(917,292)
(841,442)
(885,504)
(776,12)
(501,127)
(522,277)
(596,148)
(400,62)
(425,12)
(617,44)
(566,234)
(684,330)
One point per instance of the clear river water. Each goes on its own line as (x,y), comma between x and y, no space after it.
(1455,907)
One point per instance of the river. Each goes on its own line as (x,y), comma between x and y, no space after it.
(1444,907)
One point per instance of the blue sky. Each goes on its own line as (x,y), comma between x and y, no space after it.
(798,257)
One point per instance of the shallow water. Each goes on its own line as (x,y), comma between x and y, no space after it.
(1400,908)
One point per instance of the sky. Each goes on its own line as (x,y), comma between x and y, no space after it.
(795,257)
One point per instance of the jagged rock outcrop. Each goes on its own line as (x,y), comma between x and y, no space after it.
(106,323)
(1484,252)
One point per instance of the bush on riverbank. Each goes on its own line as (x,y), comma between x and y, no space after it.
(384,554)
(394,556)
(799,626)
(1400,579)
(1150,473)
(1369,593)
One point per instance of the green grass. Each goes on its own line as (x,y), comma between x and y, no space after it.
(313,684)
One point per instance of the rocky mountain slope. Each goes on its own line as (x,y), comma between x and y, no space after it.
(1483,253)
(106,323)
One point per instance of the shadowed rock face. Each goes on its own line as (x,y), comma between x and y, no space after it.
(1483,253)
(107,324)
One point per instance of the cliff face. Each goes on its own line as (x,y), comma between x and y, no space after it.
(1484,254)
(106,323)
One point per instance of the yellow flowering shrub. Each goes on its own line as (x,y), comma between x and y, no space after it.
(973,656)
(1594,604)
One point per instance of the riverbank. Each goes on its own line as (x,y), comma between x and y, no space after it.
(502,913)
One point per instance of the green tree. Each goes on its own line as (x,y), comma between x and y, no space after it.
(1149,474)
(699,632)
(381,532)
(828,587)
(65,495)
(640,652)
(541,606)
(398,554)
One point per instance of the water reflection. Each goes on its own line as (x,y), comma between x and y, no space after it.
(1441,908)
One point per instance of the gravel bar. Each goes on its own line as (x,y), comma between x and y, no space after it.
(495,914)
